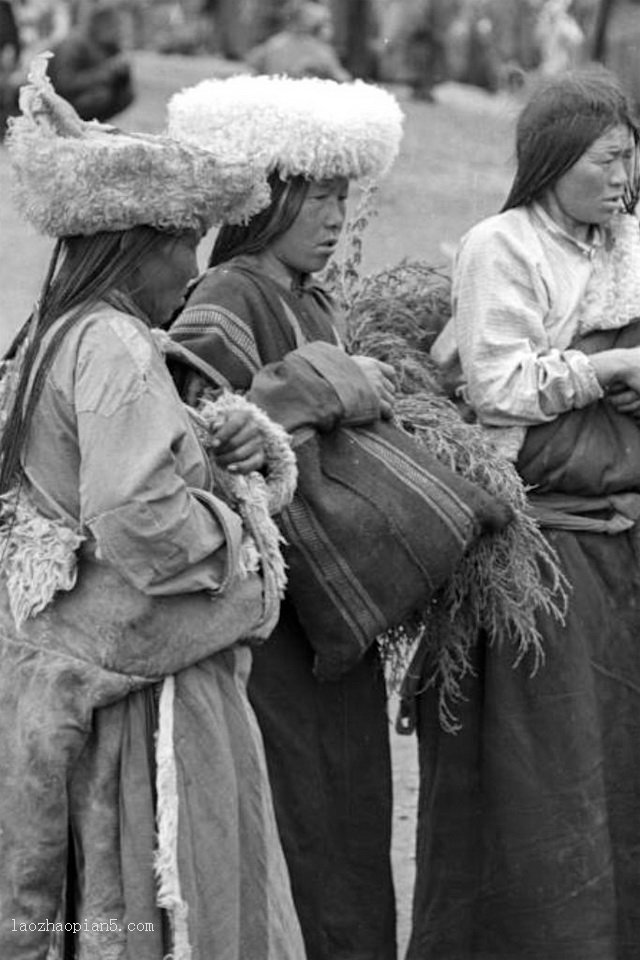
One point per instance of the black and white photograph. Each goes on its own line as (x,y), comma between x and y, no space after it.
(319,480)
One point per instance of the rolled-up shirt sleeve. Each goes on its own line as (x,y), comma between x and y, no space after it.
(134,438)
(513,375)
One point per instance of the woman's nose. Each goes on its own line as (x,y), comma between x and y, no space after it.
(336,213)
(619,174)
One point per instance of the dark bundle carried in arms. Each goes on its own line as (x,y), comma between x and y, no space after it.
(506,578)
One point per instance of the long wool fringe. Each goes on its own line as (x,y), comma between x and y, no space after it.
(37,554)
(166,860)
(255,497)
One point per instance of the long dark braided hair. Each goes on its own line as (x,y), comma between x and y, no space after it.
(562,119)
(287,197)
(82,271)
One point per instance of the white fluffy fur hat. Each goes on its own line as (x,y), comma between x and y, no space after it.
(317,128)
(73,177)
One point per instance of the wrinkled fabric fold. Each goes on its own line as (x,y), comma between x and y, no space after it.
(74,747)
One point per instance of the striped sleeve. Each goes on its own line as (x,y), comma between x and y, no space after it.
(222,338)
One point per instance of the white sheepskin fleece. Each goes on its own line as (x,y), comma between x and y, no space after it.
(612,295)
(317,128)
(73,177)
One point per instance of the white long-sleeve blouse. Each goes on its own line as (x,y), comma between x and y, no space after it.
(523,289)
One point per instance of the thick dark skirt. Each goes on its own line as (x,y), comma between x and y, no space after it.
(528,842)
(328,756)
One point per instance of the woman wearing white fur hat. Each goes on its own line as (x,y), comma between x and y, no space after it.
(257,315)
(128,583)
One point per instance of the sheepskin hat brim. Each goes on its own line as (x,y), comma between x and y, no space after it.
(319,129)
(72,177)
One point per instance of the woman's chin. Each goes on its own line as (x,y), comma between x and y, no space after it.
(321,259)
(610,209)
(312,262)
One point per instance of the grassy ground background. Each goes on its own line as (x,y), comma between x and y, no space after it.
(454,168)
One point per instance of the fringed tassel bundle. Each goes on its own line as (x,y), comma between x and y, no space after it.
(506,579)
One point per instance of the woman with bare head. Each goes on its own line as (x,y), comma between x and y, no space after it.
(527,845)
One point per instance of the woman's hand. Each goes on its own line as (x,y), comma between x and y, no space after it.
(618,369)
(625,400)
(193,388)
(381,378)
(238,443)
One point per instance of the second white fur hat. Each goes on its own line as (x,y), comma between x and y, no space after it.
(315,128)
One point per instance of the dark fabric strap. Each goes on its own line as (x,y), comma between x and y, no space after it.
(173,350)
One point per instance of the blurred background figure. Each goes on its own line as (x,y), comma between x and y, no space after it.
(89,68)
(44,22)
(483,57)
(560,37)
(10,49)
(303,48)
(239,25)
(415,42)
(10,44)
(616,42)
(357,35)
(491,44)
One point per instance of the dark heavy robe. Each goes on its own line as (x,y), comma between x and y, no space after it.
(327,744)
(529,818)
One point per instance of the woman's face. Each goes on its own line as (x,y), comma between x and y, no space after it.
(591,191)
(312,238)
(159,281)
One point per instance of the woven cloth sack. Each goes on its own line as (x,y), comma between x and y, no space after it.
(376,526)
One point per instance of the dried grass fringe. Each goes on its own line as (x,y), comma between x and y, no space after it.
(507,579)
